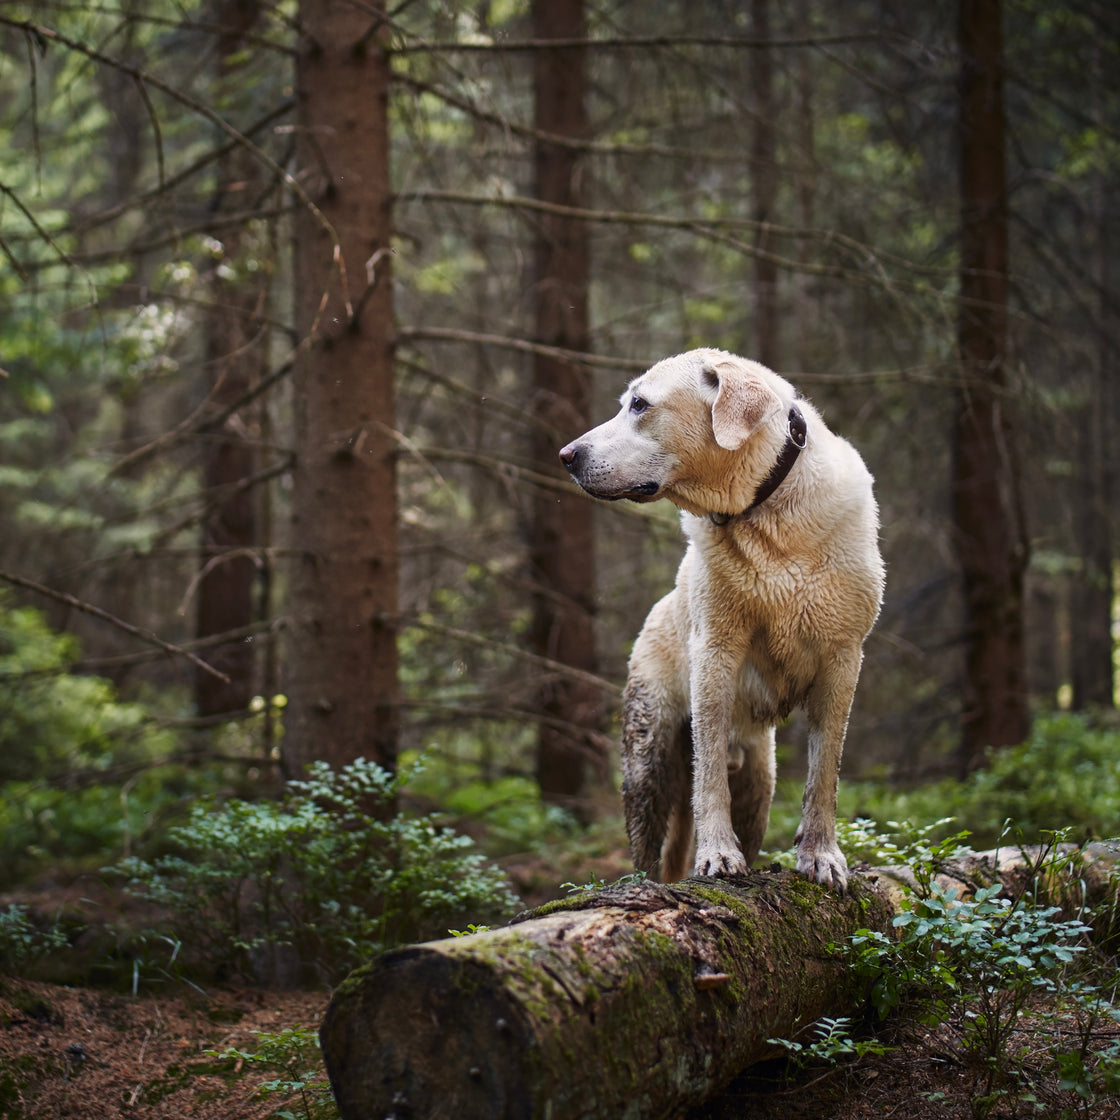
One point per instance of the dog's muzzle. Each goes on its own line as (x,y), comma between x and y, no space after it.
(575,458)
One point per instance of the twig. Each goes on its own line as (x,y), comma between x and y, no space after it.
(522,345)
(643,42)
(204,111)
(88,608)
(507,647)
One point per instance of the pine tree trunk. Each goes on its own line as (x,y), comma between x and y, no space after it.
(1091,593)
(1094,484)
(236,350)
(805,191)
(562,545)
(764,191)
(990,532)
(341,661)
(630,1003)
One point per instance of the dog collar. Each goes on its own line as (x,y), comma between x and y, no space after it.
(796,438)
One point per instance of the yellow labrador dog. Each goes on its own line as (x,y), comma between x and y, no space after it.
(779,586)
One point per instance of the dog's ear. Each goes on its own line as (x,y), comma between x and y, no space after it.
(744,402)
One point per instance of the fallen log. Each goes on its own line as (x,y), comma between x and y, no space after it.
(629,1003)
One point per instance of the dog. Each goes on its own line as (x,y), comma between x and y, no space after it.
(780,584)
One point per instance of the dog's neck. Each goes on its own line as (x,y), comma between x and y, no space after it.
(796,438)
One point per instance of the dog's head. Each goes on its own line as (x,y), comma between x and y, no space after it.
(700,429)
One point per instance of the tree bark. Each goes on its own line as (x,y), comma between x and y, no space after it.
(1095,485)
(764,191)
(1091,590)
(562,543)
(990,533)
(805,193)
(341,662)
(236,352)
(630,1003)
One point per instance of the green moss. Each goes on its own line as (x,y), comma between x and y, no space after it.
(560,906)
(351,986)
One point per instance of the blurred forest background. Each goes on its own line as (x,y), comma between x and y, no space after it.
(299,301)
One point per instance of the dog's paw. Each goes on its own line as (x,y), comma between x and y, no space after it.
(721,861)
(824,864)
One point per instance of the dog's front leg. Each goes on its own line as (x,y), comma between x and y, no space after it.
(712,687)
(829,702)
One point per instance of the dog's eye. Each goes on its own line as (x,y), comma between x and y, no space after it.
(638,404)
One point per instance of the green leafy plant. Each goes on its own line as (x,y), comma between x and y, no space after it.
(595,883)
(1065,771)
(22,941)
(984,959)
(319,880)
(75,759)
(301,1083)
(996,972)
(1091,1068)
(832,1045)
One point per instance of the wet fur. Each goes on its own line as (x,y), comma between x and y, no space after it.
(768,614)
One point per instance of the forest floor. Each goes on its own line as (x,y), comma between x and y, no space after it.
(85,1053)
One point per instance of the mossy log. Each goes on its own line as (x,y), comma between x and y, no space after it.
(631,1002)
(627,1002)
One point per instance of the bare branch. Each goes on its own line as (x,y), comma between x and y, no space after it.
(645,42)
(88,608)
(606,686)
(203,110)
(521,345)
(44,236)
(153,116)
(868,267)
(200,421)
(176,23)
(527,132)
(141,200)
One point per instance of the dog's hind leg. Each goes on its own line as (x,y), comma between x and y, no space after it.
(679,849)
(752,788)
(656,779)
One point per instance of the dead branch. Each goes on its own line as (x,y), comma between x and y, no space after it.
(88,608)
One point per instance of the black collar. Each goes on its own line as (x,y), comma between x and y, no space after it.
(796,439)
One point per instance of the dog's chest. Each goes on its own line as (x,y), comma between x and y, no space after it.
(785,625)
(773,681)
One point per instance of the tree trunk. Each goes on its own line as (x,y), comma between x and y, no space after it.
(236,351)
(1091,591)
(562,545)
(341,662)
(1091,614)
(990,533)
(805,193)
(630,1003)
(764,191)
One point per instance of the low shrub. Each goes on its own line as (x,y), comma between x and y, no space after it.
(1066,775)
(318,881)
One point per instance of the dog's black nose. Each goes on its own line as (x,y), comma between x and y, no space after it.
(569,455)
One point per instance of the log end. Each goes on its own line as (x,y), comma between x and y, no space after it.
(417,1034)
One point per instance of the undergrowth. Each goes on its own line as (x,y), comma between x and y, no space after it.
(988,975)
(317,882)
(298,1082)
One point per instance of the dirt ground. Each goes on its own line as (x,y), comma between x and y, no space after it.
(84,1054)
